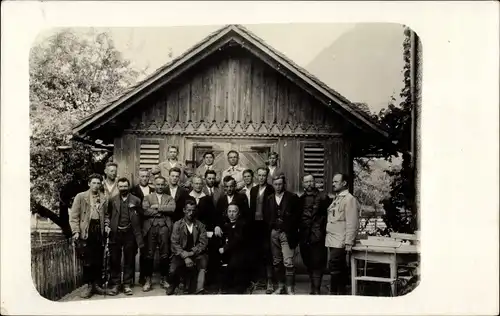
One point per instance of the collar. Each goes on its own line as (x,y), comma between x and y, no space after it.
(280,195)
(196,195)
(343,193)
(144,187)
(184,222)
(174,188)
(124,199)
(237,167)
(271,167)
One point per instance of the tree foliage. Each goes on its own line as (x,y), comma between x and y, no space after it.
(70,75)
(400,209)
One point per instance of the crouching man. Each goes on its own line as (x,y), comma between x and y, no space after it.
(87,224)
(189,243)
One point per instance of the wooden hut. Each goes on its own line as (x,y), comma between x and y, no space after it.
(233,91)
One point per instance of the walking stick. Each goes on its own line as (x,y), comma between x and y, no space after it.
(106,256)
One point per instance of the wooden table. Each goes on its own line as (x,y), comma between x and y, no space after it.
(387,255)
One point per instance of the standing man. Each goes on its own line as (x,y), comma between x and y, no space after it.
(125,235)
(249,183)
(312,230)
(231,196)
(159,208)
(87,225)
(274,170)
(208,164)
(177,192)
(172,162)
(206,214)
(189,243)
(234,170)
(260,223)
(110,188)
(210,187)
(283,210)
(341,230)
(141,190)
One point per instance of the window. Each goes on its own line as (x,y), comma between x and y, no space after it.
(149,154)
(314,161)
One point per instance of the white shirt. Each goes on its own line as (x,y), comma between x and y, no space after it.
(172,164)
(261,190)
(145,190)
(159,198)
(229,199)
(247,192)
(271,170)
(173,191)
(236,172)
(110,187)
(197,196)
(210,190)
(190,227)
(279,197)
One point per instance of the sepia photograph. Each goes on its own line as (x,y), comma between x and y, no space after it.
(259,159)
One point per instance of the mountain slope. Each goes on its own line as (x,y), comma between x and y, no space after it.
(364,64)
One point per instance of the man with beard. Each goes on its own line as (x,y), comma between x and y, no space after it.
(125,236)
(260,223)
(341,231)
(207,215)
(177,192)
(283,210)
(235,254)
(86,219)
(141,190)
(312,230)
(208,164)
(159,208)
(189,243)
(110,188)
(210,187)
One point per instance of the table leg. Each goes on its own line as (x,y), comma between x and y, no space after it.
(354,269)
(394,274)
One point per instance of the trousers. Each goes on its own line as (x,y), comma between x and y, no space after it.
(124,243)
(91,251)
(157,236)
(282,253)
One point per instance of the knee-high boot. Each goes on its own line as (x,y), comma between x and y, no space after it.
(290,281)
(200,282)
(279,275)
(317,277)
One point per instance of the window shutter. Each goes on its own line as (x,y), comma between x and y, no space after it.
(149,154)
(314,160)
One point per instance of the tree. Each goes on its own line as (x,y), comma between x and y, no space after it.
(71,74)
(400,209)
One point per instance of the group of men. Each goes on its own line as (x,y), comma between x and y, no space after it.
(232,227)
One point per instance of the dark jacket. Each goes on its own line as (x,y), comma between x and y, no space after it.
(179,238)
(253,202)
(180,200)
(161,216)
(290,216)
(112,217)
(222,204)
(217,192)
(237,242)
(136,190)
(205,212)
(313,217)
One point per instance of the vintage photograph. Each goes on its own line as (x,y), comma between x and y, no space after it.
(265,159)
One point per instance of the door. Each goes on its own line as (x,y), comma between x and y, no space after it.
(253,153)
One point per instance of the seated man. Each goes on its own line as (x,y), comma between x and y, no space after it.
(189,244)
(235,253)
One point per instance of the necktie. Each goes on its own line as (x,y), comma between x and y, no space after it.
(210,191)
(232,169)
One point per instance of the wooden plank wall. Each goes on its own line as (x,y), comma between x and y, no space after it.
(233,87)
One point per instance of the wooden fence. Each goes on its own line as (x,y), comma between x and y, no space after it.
(55,269)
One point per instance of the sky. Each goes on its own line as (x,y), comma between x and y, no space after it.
(150,46)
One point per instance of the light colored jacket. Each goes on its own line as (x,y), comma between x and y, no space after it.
(200,171)
(342,221)
(79,216)
(237,174)
(165,169)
